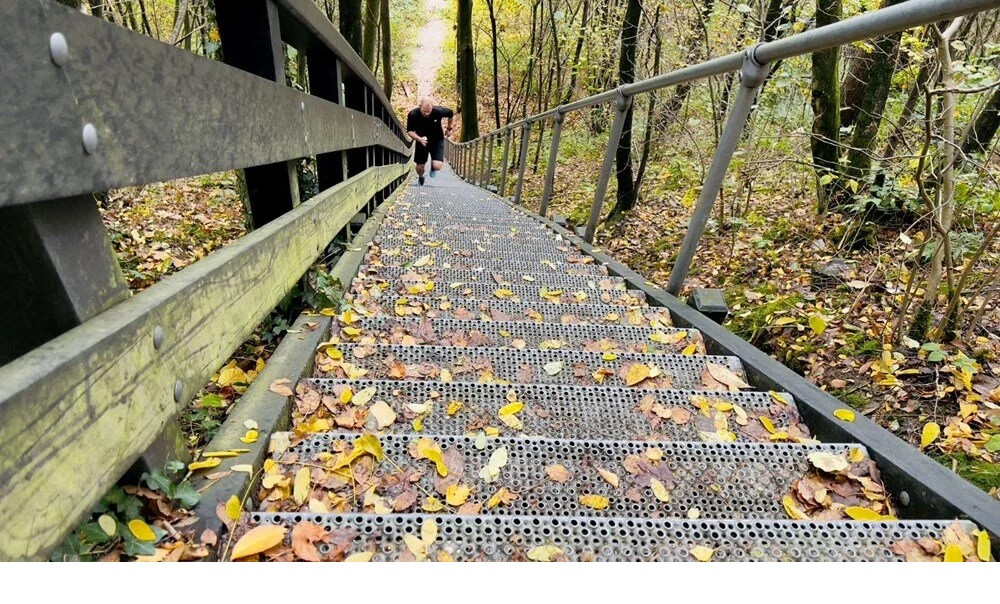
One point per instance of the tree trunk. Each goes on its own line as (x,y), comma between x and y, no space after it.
(496,62)
(180,18)
(626,196)
(825,141)
(386,49)
(647,137)
(575,68)
(369,38)
(467,79)
(350,23)
(697,34)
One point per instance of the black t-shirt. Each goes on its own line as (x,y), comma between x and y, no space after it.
(429,126)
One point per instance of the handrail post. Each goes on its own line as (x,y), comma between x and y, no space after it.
(550,170)
(475,163)
(489,160)
(622,104)
(525,143)
(752,76)
(505,165)
(481,173)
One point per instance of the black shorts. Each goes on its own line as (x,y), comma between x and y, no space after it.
(434,148)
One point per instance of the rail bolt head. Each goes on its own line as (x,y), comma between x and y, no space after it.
(904,498)
(58,49)
(178,391)
(90,139)
(158,337)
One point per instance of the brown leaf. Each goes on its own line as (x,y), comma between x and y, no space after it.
(558,473)
(304,534)
(280,386)
(404,501)
(208,537)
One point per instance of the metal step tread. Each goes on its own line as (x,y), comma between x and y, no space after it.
(720,480)
(573,367)
(477,333)
(449,276)
(466,538)
(510,311)
(557,411)
(401,255)
(521,292)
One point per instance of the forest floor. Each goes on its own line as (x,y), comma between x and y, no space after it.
(942,398)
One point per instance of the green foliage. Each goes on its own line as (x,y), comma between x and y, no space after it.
(106,528)
(984,475)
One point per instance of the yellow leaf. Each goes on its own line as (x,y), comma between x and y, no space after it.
(446,375)
(432,504)
(544,553)
(953,553)
(230,375)
(654,453)
(768,424)
(501,496)
(383,414)
(233,507)
(785,321)
(818,324)
(456,494)
(259,539)
(511,408)
(360,557)
(610,477)
(302,485)
(364,396)
(110,526)
(844,414)
(250,437)
(352,332)
(862,513)
(512,422)
(607,356)
(346,396)
(637,372)
(318,507)
(690,349)
(659,490)
(422,261)
(211,462)
(597,502)
(429,531)
(929,434)
(983,546)
(498,459)
(702,553)
(856,455)
(416,546)
(829,462)
(793,510)
(141,531)
(454,407)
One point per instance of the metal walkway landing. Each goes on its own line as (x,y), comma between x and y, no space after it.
(493,395)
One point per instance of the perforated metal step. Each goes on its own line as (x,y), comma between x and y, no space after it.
(506,310)
(463,242)
(520,292)
(449,276)
(477,333)
(404,255)
(512,538)
(570,367)
(520,264)
(553,411)
(722,481)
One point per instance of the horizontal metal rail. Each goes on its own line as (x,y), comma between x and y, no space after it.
(753,64)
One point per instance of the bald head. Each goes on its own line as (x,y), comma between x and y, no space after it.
(426,106)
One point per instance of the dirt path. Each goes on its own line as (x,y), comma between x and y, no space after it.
(429,53)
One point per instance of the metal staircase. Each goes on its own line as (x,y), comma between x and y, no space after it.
(518,403)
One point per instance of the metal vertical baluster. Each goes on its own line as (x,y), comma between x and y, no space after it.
(525,143)
(504,166)
(480,174)
(489,160)
(752,76)
(622,104)
(550,171)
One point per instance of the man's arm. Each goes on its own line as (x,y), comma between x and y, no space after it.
(414,136)
(447,114)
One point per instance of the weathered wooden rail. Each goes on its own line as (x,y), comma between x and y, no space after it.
(89,377)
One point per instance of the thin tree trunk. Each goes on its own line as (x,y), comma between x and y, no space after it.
(647,137)
(467,81)
(825,141)
(386,49)
(369,38)
(626,195)
(496,63)
(180,17)
(575,69)
(350,23)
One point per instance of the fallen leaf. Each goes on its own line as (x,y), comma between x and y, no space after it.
(280,386)
(233,507)
(953,553)
(929,434)
(983,546)
(364,396)
(637,372)
(544,553)
(553,368)
(609,476)
(659,491)
(304,534)
(141,531)
(597,502)
(456,494)
(727,377)
(702,553)
(302,485)
(558,473)
(844,414)
(829,462)
(108,524)
(360,557)
(259,539)
(211,462)
(383,414)
(498,459)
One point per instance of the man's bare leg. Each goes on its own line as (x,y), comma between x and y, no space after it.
(436,167)
(420,173)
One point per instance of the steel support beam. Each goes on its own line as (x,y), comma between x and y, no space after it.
(752,76)
(622,104)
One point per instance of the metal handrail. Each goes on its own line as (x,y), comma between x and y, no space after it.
(752,63)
